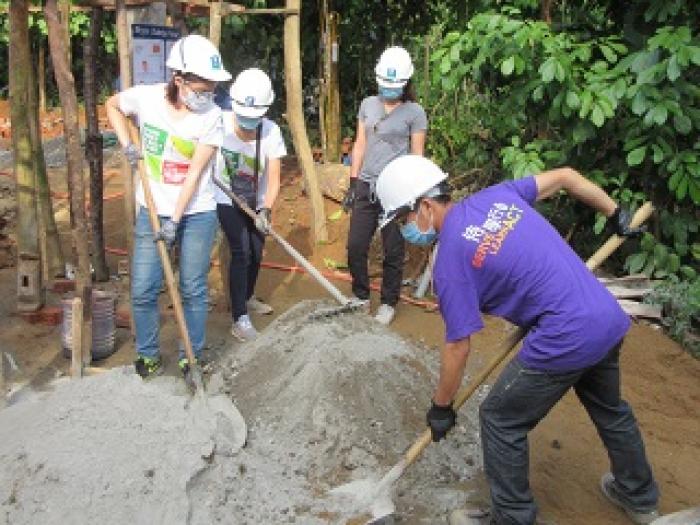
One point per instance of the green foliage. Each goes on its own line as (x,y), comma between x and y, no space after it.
(680,301)
(613,94)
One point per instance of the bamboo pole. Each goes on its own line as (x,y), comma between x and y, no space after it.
(333,93)
(215,22)
(295,117)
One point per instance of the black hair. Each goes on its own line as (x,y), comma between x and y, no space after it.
(408,94)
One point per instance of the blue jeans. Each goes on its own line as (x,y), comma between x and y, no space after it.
(195,236)
(521,397)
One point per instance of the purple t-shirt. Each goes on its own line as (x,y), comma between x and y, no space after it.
(499,256)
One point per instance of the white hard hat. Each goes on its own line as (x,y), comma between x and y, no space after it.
(394,67)
(404,180)
(197,55)
(251,93)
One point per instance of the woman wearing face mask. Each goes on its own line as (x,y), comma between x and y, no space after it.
(181,129)
(249,162)
(389,125)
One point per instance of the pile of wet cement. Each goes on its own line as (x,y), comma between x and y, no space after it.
(108,449)
(327,402)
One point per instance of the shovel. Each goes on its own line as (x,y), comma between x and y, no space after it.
(368,495)
(346,304)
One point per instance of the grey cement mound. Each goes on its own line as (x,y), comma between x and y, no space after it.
(331,401)
(108,449)
(326,403)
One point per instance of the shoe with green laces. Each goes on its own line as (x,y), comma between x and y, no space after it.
(148,367)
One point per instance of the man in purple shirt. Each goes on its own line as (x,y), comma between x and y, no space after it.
(499,256)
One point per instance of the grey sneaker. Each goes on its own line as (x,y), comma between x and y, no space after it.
(243,329)
(257,306)
(363,304)
(385,314)
(612,492)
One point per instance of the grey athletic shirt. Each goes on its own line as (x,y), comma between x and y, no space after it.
(388,136)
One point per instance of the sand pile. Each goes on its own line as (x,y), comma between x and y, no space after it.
(108,449)
(327,402)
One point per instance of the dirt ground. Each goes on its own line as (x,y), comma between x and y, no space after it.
(660,380)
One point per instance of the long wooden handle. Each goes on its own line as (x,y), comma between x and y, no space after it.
(330,288)
(167,266)
(516,335)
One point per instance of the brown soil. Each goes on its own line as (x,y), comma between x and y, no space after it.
(660,380)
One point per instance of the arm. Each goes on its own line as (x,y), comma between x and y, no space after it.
(273,182)
(202,155)
(118,120)
(568,179)
(418,143)
(453,360)
(358,150)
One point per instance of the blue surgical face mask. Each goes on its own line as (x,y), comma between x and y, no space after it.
(197,102)
(411,232)
(390,93)
(248,123)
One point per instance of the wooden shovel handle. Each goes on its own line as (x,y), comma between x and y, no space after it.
(516,335)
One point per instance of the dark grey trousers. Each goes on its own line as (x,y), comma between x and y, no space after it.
(521,397)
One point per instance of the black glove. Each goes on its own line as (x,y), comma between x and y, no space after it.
(440,420)
(263,220)
(620,219)
(167,232)
(349,198)
(132,154)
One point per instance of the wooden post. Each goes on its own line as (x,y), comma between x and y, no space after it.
(76,351)
(333,107)
(295,117)
(58,42)
(93,144)
(29,296)
(125,82)
(41,75)
(215,22)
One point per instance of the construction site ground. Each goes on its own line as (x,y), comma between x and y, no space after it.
(659,379)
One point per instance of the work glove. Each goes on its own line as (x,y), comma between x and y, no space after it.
(349,198)
(263,220)
(440,420)
(620,219)
(132,154)
(167,232)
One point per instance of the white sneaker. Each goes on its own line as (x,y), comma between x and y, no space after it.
(362,304)
(257,306)
(385,314)
(243,329)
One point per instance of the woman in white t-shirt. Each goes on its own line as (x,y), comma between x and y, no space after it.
(249,163)
(181,129)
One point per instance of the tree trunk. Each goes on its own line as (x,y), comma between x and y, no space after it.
(52,260)
(93,144)
(546,10)
(333,100)
(29,296)
(58,43)
(295,116)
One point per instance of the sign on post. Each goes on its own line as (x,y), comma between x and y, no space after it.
(150,47)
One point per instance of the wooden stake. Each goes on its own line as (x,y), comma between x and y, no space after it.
(215,22)
(295,117)
(76,321)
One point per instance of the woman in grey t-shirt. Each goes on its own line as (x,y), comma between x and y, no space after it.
(388,126)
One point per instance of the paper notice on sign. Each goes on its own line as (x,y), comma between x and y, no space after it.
(149,61)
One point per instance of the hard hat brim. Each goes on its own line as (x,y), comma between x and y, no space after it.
(248,111)
(218,76)
(383,82)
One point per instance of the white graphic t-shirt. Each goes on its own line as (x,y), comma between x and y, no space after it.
(240,157)
(168,145)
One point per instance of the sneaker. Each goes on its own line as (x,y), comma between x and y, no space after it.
(147,367)
(243,329)
(470,517)
(362,304)
(257,306)
(611,491)
(385,314)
